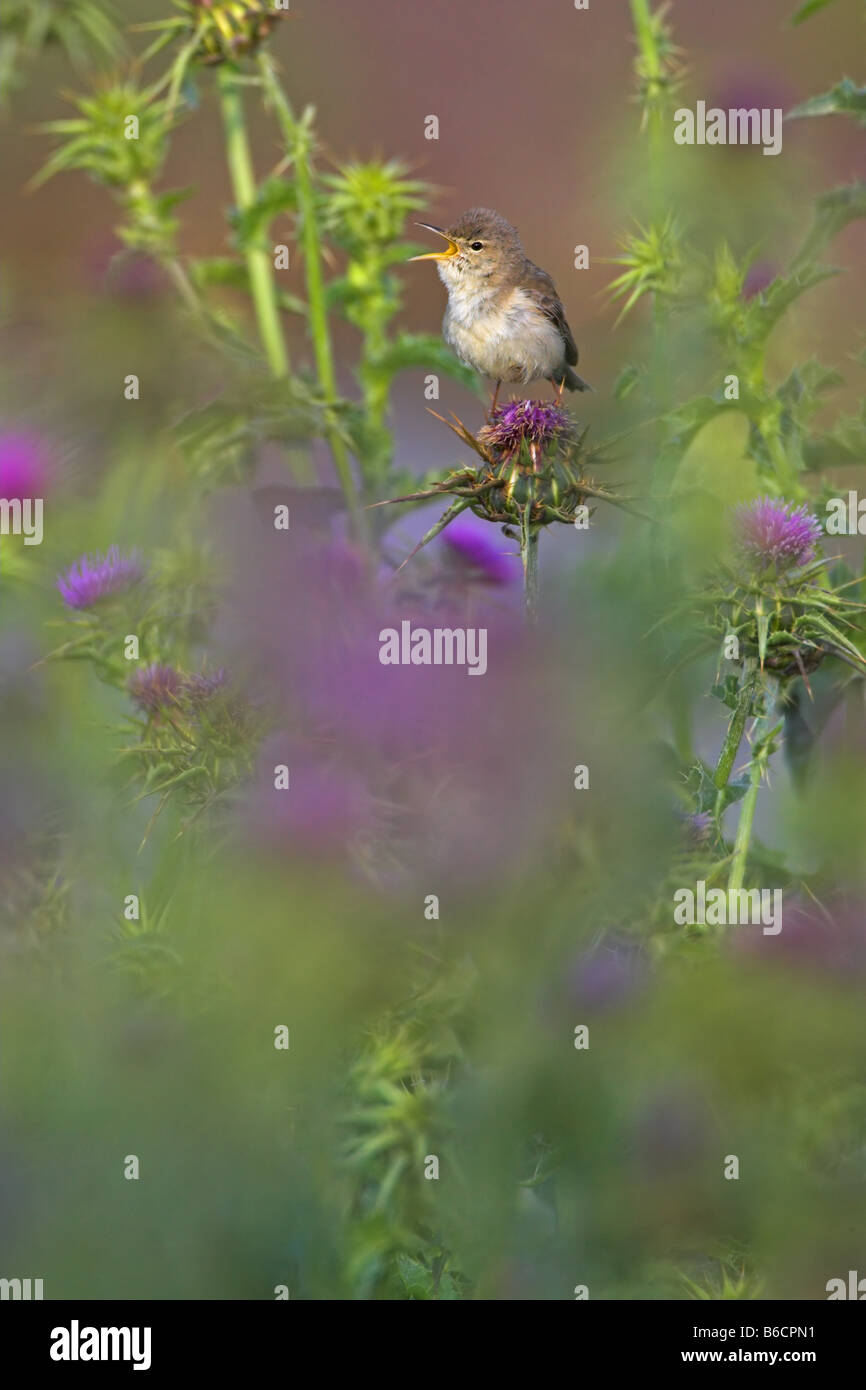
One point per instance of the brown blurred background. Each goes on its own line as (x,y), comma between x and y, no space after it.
(537,119)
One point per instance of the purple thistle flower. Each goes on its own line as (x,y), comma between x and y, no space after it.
(200,688)
(534,423)
(23,467)
(94,577)
(155,687)
(699,828)
(777,534)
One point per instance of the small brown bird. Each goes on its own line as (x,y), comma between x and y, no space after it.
(504,317)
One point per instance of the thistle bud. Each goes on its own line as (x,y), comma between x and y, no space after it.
(776,599)
(228,29)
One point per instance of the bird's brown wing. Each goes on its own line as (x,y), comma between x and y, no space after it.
(539,283)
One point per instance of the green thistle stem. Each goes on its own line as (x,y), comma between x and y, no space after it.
(529,556)
(645,32)
(762,740)
(297,144)
(244,188)
(736,729)
(374,384)
(744,828)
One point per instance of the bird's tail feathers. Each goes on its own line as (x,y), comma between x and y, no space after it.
(573,382)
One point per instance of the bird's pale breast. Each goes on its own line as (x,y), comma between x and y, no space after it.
(506,337)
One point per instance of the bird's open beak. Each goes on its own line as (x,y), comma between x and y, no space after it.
(453,248)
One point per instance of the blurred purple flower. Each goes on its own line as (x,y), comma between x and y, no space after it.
(770,532)
(607,977)
(112,269)
(534,423)
(699,828)
(832,941)
(480,556)
(23,466)
(752,91)
(156,687)
(320,812)
(672,1130)
(431,746)
(94,577)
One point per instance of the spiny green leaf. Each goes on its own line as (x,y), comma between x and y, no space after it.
(845,99)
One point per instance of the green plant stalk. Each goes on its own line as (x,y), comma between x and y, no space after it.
(786,473)
(734,735)
(529,556)
(316,304)
(375,388)
(659,375)
(762,737)
(744,826)
(644,32)
(244,187)
(375,385)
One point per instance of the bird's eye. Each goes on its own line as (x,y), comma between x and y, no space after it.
(476,246)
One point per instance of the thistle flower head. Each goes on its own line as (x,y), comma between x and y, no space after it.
(368,203)
(699,828)
(777,601)
(200,688)
(532,472)
(156,687)
(536,424)
(227,29)
(772,534)
(95,577)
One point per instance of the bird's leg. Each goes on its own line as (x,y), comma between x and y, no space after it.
(560,391)
(495,399)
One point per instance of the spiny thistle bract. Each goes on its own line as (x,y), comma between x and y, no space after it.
(128,167)
(531,474)
(192,740)
(158,686)
(368,203)
(776,598)
(93,137)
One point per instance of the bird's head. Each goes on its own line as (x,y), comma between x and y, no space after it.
(482,249)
